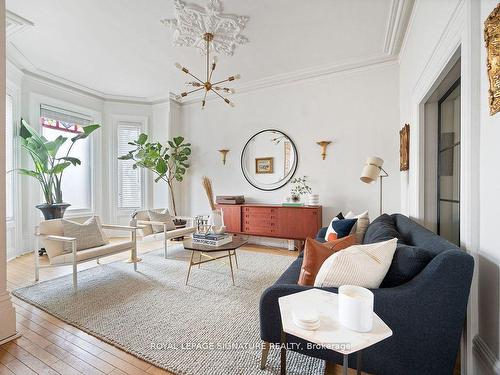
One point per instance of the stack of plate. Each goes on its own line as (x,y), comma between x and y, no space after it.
(312,200)
(306,319)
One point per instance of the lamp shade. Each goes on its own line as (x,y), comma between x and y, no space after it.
(371,170)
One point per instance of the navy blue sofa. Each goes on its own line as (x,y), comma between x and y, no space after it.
(423,299)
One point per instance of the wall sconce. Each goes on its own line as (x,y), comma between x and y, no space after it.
(323,145)
(223,154)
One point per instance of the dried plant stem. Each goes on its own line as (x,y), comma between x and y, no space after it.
(207,185)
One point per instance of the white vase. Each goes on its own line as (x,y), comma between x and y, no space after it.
(312,200)
(216,222)
(356,308)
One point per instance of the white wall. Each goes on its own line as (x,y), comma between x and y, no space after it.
(437,30)
(357,110)
(427,25)
(489,254)
(154,117)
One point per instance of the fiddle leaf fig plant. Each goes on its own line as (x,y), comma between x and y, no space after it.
(168,163)
(48,164)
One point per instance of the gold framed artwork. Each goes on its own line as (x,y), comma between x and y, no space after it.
(492,40)
(264,165)
(404,148)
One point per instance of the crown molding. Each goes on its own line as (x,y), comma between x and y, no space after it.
(399,21)
(310,74)
(397,24)
(15,24)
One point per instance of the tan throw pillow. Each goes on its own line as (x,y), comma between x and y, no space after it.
(361,265)
(88,234)
(163,217)
(315,253)
(361,225)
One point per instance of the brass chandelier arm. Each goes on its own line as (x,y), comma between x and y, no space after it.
(204,100)
(192,75)
(190,92)
(211,72)
(224,80)
(220,96)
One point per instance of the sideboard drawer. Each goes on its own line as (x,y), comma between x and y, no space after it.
(260,210)
(272,221)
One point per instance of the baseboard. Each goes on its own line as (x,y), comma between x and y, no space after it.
(485,355)
(13,337)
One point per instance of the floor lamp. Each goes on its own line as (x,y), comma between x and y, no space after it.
(373,170)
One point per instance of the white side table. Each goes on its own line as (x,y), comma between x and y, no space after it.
(331,334)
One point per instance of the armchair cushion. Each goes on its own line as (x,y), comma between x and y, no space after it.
(163,217)
(96,252)
(143,215)
(88,234)
(54,227)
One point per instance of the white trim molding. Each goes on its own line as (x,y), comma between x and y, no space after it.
(396,30)
(485,355)
(397,25)
(310,74)
(15,24)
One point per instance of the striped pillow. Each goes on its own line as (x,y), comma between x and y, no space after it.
(361,265)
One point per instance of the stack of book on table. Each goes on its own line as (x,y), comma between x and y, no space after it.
(230,199)
(212,239)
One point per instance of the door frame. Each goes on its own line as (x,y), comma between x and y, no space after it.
(438,188)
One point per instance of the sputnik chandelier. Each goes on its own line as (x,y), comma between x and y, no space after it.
(208,30)
(198,84)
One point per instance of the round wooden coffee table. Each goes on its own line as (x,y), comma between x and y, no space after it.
(204,251)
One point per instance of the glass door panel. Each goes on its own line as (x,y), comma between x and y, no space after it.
(449,165)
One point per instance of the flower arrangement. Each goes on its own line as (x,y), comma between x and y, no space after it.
(299,187)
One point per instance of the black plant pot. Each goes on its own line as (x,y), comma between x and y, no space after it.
(53,211)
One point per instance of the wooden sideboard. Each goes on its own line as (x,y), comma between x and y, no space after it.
(292,223)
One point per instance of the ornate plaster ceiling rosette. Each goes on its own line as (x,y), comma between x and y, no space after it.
(192,22)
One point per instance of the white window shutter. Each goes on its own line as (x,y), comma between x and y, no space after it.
(130,181)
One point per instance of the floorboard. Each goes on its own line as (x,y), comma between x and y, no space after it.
(50,346)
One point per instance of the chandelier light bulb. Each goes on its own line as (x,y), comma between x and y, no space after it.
(207,84)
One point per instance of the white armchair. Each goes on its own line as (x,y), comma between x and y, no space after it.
(50,235)
(142,221)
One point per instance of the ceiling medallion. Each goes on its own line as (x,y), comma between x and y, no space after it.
(207,85)
(192,22)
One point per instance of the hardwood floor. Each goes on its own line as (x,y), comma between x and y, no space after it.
(50,346)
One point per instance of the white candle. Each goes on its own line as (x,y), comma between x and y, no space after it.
(356,308)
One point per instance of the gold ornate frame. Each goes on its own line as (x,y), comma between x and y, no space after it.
(404,148)
(492,40)
(264,165)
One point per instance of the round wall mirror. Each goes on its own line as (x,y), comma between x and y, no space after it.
(269,160)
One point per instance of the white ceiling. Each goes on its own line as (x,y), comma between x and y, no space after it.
(120,48)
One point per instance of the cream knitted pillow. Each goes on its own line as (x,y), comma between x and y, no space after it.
(88,234)
(361,265)
(163,217)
